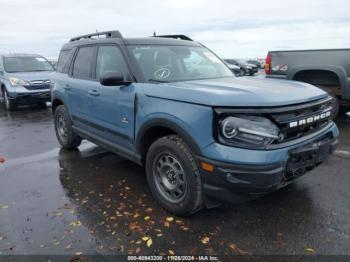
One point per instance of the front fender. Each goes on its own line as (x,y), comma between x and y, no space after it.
(194,123)
(170,124)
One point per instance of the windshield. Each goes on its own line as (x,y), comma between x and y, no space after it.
(178,63)
(26,64)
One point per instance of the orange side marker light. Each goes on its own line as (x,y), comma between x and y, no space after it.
(207,167)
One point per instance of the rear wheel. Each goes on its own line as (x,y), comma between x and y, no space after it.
(173,176)
(9,103)
(64,130)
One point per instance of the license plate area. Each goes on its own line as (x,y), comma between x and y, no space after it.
(306,158)
(301,161)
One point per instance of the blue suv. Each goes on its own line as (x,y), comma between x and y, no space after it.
(170,104)
(24,79)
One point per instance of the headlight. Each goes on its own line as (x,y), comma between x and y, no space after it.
(247,131)
(18,82)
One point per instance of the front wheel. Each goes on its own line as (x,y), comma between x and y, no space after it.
(9,103)
(64,130)
(173,176)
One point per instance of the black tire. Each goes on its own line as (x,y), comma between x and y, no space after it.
(9,104)
(184,170)
(63,128)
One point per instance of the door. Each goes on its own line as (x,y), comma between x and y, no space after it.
(78,85)
(112,107)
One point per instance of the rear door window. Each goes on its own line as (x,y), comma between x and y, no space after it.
(64,60)
(82,67)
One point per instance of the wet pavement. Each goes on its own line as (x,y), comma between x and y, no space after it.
(90,201)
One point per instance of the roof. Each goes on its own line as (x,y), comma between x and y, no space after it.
(20,55)
(159,41)
(132,41)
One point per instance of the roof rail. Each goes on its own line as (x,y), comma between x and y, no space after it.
(107,34)
(182,37)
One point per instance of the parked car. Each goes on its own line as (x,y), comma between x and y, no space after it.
(255,62)
(262,62)
(24,79)
(327,69)
(235,69)
(249,69)
(171,105)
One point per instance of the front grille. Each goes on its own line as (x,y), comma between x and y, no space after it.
(285,117)
(38,85)
(289,121)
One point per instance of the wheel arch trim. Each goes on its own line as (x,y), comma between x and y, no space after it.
(165,123)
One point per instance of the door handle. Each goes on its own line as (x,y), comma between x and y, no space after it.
(67,87)
(93,93)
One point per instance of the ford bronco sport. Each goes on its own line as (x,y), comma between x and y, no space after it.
(24,79)
(203,135)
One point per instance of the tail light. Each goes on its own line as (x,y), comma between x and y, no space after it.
(268,64)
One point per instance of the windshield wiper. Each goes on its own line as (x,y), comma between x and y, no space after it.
(157,81)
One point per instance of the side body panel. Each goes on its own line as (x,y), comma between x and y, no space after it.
(286,64)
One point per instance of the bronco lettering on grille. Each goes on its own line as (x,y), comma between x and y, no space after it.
(310,119)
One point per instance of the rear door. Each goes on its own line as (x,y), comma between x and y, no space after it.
(78,85)
(112,107)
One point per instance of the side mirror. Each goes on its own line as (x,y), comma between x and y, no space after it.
(113,78)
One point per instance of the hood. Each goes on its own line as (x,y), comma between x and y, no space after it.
(237,92)
(30,76)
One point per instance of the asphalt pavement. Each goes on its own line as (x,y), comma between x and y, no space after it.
(91,201)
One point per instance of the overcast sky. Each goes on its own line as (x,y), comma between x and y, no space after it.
(230,28)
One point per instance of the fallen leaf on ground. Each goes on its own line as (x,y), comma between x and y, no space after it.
(205,240)
(149,242)
(4,206)
(232,246)
(78,253)
(169,219)
(147,218)
(145,238)
(171,252)
(75,223)
(309,249)
(59,214)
